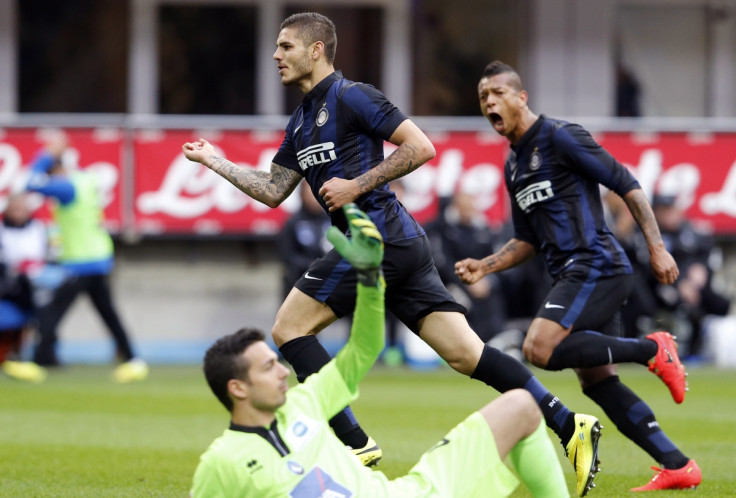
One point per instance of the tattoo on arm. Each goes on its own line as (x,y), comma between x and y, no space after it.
(491,261)
(500,260)
(513,253)
(269,188)
(401,162)
(644,216)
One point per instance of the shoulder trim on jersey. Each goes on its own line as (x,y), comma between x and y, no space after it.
(344,88)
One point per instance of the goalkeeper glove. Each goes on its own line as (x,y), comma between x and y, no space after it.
(364,250)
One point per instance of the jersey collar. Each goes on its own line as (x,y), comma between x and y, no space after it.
(270,434)
(529,134)
(319,90)
(252,428)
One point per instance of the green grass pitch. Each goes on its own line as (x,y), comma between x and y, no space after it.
(79,434)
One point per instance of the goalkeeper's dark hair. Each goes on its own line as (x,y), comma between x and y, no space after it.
(224,361)
(313,27)
(497,67)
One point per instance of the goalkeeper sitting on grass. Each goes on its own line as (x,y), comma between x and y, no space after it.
(280,444)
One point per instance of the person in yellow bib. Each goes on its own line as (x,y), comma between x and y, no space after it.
(279,442)
(87,256)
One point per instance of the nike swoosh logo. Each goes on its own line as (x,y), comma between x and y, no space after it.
(307,275)
(549,305)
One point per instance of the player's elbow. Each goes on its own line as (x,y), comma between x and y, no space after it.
(427,151)
(272,202)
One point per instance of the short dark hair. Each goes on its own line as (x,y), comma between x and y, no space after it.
(313,27)
(224,361)
(497,67)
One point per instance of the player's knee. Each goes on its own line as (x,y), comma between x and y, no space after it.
(278,336)
(462,359)
(521,398)
(460,364)
(536,352)
(525,408)
(282,333)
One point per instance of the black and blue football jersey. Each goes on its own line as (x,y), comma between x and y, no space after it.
(338,132)
(553,175)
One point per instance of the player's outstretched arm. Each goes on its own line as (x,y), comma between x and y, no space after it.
(364,251)
(269,188)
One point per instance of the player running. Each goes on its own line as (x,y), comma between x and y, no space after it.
(553,174)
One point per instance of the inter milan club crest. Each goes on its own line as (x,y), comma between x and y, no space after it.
(322,116)
(536,160)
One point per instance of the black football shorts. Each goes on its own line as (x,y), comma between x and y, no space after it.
(413,285)
(588,301)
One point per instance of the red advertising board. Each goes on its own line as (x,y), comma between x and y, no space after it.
(158,191)
(95,149)
(173,194)
(700,168)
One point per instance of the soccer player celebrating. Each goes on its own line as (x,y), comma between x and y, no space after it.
(335,140)
(553,174)
(279,442)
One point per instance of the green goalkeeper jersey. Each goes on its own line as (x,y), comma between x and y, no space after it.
(298,455)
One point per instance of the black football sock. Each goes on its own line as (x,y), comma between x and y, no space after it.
(585,348)
(307,356)
(636,421)
(502,372)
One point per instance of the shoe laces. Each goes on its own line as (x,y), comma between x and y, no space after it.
(660,473)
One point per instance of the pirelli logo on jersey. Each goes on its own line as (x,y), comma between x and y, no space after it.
(534,193)
(316,154)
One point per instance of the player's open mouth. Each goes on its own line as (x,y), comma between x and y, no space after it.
(496,120)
